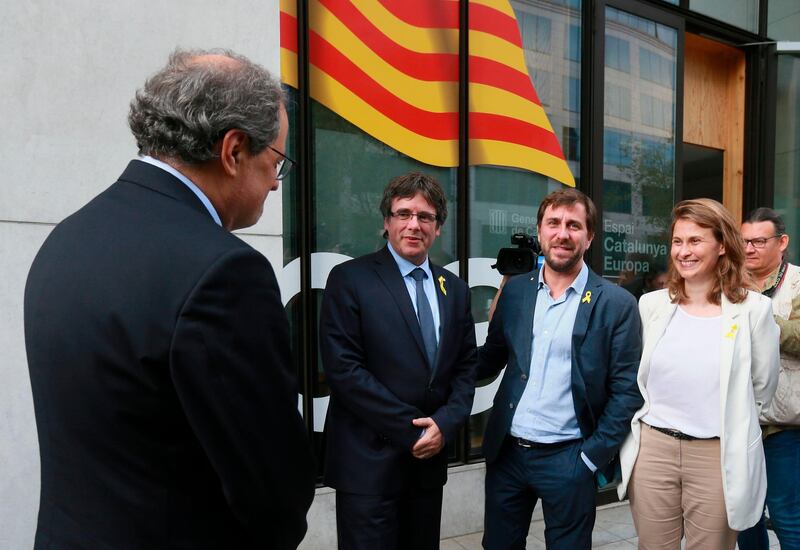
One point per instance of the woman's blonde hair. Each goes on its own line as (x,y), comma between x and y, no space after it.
(732,277)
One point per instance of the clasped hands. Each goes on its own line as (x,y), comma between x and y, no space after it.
(431,441)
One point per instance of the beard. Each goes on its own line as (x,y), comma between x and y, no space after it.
(564,265)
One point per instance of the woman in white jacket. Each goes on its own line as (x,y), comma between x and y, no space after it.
(693,464)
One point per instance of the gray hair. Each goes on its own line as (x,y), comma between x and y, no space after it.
(184,109)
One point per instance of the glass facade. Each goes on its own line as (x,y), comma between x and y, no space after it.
(787,150)
(638,148)
(290,274)
(634,147)
(783,21)
(741,13)
(504,201)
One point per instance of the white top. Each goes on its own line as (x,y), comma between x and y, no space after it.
(683,383)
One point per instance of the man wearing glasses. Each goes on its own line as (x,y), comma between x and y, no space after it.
(765,240)
(157,342)
(398,349)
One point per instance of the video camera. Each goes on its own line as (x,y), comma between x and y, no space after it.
(513,261)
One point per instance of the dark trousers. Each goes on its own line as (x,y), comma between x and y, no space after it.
(520,476)
(782,453)
(398,522)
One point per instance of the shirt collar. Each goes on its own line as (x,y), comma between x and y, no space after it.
(577,284)
(187,182)
(772,279)
(407,267)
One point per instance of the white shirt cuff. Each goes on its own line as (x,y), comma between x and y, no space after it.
(588,462)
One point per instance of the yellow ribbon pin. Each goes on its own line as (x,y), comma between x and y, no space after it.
(441,285)
(587,298)
(732,332)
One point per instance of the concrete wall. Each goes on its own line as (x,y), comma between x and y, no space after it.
(69,71)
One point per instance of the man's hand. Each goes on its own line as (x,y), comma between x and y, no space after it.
(431,442)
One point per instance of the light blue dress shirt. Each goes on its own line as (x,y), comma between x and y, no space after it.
(428,284)
(187,182)
(546,411)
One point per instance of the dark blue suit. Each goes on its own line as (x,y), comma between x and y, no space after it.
(375,364)
(165,401)
(606,348)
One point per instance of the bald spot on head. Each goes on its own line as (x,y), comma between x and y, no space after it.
(222,61)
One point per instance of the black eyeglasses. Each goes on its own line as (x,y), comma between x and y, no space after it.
(284,165)
(759,242)
(422,217)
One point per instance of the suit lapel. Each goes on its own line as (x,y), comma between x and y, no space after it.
(389,274)
(731,320)
(591,295)
(525,330)
(446,315)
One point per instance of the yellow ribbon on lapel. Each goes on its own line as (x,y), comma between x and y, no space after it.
(441,284)
(587,298)
(732,332)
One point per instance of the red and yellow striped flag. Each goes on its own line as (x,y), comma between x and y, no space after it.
(391,68)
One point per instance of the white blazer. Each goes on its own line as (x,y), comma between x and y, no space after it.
(749,363)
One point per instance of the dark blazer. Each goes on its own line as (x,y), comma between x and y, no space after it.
(161,374)
(375,365)
(606,348)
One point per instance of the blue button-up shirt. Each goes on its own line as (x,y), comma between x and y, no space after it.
(407,267)
(187,182)
(546,412)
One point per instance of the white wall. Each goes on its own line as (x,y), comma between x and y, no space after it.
(69,71)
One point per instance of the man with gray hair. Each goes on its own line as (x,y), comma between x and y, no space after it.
(157,342)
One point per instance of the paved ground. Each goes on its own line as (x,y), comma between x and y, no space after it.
(613,530)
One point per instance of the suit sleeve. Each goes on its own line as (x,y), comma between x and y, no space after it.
(351,382)
(765,355)
(624,398)
(455,412)
(231,367)
(493,354)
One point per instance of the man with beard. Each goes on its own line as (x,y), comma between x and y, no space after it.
(571,342)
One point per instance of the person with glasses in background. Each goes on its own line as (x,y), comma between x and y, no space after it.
(398,348)
(158,346)
(693,463)
(766,241)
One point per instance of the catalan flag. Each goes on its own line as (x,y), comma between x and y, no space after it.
(391,68)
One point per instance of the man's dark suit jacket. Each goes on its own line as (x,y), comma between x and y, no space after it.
(375,365)
(160,367)
(606,349)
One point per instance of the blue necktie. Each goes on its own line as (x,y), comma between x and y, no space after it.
(425,316)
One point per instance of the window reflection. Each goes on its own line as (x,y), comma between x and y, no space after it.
(741,13)
(638,148)
(783,20)
(618,54)
(787,150)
